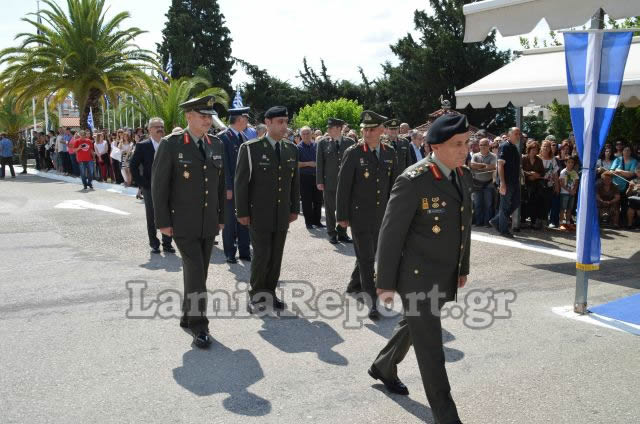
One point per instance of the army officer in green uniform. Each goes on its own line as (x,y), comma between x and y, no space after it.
(400,144)
(328,160)
(423,254)
(187,186)
(366,176)
(267,190)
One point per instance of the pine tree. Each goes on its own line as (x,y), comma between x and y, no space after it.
(196,35)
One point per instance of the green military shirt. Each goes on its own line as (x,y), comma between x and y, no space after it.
(329,159)
(188,190)
(402,147)
(425,237)
(364,184)
(266,190)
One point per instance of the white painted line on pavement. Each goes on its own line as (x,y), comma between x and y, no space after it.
(527,246)
(599,320)
(84,205)
(112,188)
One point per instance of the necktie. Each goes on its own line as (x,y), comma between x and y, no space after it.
(338,144)
(201,148)
(278,151)
(452,177)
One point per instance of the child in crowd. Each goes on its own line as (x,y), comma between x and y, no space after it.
(568,187)
(633,196)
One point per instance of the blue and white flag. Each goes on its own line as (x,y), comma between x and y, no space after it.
(595,68)
(237,100)
(90,119)
(169,68)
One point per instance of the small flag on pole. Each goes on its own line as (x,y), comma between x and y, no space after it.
(595,68)
(169,68)
(237,100)
(90,119)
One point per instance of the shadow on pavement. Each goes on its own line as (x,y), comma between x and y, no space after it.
(297,335)
(417,409)
(168,262)
(222,370)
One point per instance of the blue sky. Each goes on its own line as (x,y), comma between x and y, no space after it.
(276,36)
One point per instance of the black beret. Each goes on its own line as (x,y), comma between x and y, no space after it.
(276,112)
(371,119)
(335,122)
(392,124)
(446,127)
(203,105)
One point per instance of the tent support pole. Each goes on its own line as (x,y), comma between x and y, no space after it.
(582,277)
(515,216)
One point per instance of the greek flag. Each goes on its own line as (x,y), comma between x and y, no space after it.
(169,68)
(595,68)
(90,119)
(237,100)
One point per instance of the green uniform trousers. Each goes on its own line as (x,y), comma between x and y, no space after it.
(268,248)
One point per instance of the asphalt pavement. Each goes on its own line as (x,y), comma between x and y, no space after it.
(77,286)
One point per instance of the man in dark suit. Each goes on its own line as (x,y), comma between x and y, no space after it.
(423,254)
(267,190)
(188,200)
(416,148)
(143,155)
(235,236)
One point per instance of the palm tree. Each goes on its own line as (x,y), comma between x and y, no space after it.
(156,97)
(13,118)
(81,52)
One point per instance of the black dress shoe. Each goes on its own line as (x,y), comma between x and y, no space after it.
(232,261)
(184,323)
(374,315)
(169,249)
(320,225)
(277,303)
(333,239)
(353,289)
(345,239)
(309,226)
(256,306)
(394,386)
(246,258)
(202,339)
(215,242)
(155,250)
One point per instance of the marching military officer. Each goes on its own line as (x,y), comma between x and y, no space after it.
(366,176)
(423,254)
(267,192)
(400,144)
(187,186)
(328,160)
(235,236)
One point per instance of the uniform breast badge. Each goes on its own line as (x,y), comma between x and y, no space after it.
(444,204)
(366,173)
(186,175)
(425,203)
(436,229)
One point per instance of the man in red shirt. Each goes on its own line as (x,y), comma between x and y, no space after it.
(85,156)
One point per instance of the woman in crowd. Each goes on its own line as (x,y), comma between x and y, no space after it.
(126,148)
(619,148)
(633,196)
(116,157)
(554,149)
(608,199)
(533,205)
(606,160)
(551,188)
(623,169)
(102,156)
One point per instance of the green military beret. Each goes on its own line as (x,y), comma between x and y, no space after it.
(203,105)
(392,124)
(370,119)
(446,127)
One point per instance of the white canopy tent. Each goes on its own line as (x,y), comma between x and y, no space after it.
(537,78)
(514,17)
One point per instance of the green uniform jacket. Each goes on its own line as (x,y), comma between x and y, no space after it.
(328,161)
(265,190)
(425,237)
(188,191)
(402,147)
(364,184)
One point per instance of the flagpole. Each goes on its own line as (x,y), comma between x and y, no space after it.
(46,116)
(582,275)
